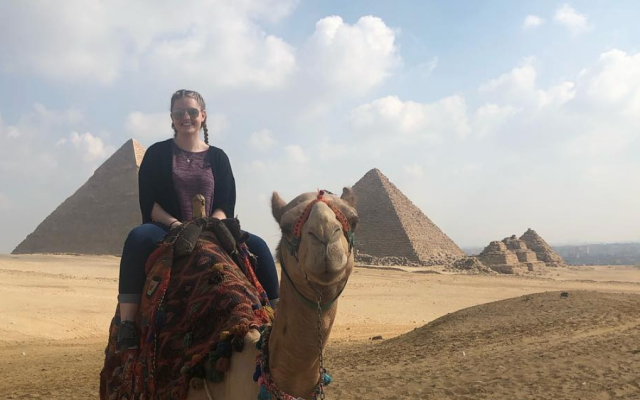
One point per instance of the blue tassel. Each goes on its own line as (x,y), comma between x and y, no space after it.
(326,379)
(264,394)
(257,374)
(160,317)
(223,349)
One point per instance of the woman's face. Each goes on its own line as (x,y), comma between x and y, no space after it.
(187,116)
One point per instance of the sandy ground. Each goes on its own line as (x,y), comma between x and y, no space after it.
(55,311)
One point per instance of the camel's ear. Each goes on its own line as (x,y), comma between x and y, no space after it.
(277,206)
(348,196)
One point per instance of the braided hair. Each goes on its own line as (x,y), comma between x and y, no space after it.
(199,99)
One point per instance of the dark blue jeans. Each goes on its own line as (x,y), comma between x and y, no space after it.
(141,242)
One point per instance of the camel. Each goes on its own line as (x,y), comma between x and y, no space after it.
(316,257)
(204,314)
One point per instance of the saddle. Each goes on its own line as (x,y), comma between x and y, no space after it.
(200,299)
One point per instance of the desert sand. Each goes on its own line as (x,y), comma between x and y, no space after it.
(444,336)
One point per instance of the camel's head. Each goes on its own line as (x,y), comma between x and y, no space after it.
(198,206)
(317,235)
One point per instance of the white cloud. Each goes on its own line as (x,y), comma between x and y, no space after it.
(240,56)
(351,59)
(331,149)
(414,171)
(60,43)
(215,41)
(520,79)
(8,131)
(532,21)
(257,166)
(262,140)
(296,155)
(600,143)
(595,118)
(5,202)
(54,154)
(489,118)
(389,116)
(217,124)
(425,69)
(572,20)
(13,132)
(154,126)
(607,107)
(557,95)
(518,87)
(91,147)
(38,123)
(613,83)
(467,168)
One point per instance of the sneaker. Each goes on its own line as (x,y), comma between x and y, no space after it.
(127,336)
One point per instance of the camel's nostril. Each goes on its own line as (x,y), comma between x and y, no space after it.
(315,238)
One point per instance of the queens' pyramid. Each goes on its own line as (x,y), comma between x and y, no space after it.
(391,226)
(97,217)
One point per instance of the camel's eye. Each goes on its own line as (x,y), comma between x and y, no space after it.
(287,229)
(353,221)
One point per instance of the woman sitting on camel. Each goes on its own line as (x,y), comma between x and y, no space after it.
(171,174)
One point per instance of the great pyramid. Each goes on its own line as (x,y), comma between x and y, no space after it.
(392,230)
(97,217)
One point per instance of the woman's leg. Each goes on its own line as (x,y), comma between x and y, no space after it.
(266,269)
(139,245)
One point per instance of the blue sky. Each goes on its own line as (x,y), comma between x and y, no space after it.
(492,117)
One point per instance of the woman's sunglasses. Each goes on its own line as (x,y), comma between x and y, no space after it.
(178,113)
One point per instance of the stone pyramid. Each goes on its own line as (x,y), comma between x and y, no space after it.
(97,217)
(543,251)
(393,228)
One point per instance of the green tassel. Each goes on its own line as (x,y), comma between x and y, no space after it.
(264,394)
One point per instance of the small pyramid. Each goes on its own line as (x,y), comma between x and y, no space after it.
(390,225)
(543,251)
(97,217)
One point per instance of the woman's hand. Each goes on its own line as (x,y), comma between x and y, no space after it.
(218,213)
(158,214)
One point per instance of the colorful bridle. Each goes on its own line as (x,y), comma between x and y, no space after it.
(294,245)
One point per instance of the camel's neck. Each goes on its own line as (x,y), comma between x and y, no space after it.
(293,346)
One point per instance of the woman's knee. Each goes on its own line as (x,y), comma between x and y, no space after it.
(258,246)
(143,236)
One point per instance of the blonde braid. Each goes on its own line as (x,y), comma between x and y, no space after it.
(206,132)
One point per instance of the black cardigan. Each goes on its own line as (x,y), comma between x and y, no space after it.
(155,181)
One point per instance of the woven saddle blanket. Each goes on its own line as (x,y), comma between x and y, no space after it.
(200,299)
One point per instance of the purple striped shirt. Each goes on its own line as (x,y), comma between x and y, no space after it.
(192,175)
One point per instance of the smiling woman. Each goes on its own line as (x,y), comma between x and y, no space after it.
(171,174)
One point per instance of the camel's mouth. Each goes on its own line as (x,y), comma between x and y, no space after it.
(329,272)
(328,277)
